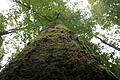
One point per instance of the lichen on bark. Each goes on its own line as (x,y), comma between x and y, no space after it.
(55,55)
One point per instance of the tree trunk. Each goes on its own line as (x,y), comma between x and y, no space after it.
(55,55)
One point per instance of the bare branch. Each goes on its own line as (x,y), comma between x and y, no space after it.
(111,45)
(7,32)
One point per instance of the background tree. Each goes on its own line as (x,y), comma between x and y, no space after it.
(106,15)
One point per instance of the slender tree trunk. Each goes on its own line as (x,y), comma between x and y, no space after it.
(55,55)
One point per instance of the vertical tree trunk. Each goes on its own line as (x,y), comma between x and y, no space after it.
(55,55)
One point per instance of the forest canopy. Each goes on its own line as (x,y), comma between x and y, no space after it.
(97,26)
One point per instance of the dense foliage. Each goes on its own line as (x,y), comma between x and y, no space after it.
(28,17)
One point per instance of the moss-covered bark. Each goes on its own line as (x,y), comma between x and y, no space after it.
(55,55)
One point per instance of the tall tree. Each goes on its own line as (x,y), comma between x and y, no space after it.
(29,17)
(55,54)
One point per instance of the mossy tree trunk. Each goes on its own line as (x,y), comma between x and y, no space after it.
(55,55)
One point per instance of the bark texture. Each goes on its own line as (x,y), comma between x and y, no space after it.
(55,55)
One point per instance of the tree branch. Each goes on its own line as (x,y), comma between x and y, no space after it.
(111,45)
(10,31)
(57,15)
(7,32)
(33,10)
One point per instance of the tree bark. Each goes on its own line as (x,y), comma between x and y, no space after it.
(55,55)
